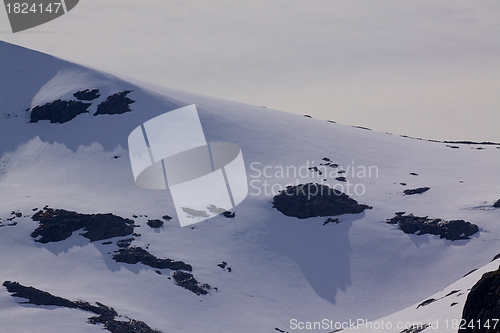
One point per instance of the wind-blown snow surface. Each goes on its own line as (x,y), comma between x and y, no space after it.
(283,268)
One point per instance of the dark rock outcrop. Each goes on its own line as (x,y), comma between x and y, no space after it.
(452,230)
(87,94)
(58,111)
(229,215)
(416,190)
(58,224)
(483,304)
(225,266)
(497,204)
(106,315)
(361,127)
(311,200)
(426,302)
(187,281)
(155,224)
(115,104)
(125,242)
(134,255)
(453,292)
(330,220)
(415,328)
(119,326)
(36,296)
(315,169)
(279,330)
(470,272)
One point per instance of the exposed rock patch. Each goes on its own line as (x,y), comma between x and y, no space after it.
(225,266)
(36,296)
(125,242)
(311,200)
(361,127)
(134,255)
(87,94)
(155,224)
(416,190)
(279,330)
(58,224)
(106,315)
(451,230)
(329,163)
(470,272)
(228,214)
(187,281)
(497,204)
(426,302)
(415,328)
(483,304)
(330,220)
(453,292)
(58,111)
(315,169)
(115,104)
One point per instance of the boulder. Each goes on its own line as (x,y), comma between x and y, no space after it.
(155,224)
(311,200)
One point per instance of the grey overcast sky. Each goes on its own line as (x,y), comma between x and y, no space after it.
(428,69)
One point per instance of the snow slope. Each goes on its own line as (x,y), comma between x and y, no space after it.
(283,268)
(441,315)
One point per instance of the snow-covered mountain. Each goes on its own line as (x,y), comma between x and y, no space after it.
(262,271)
